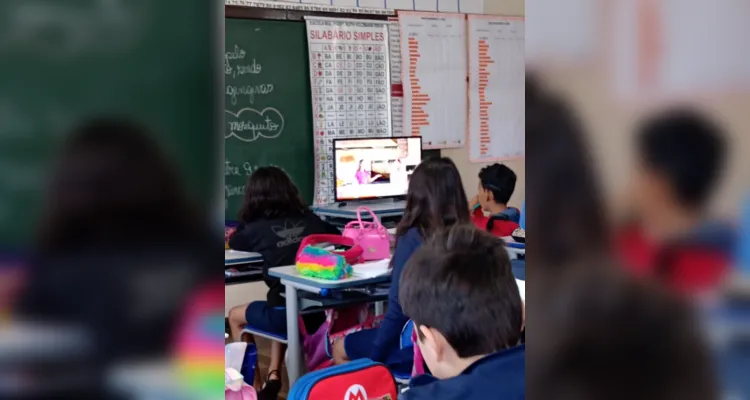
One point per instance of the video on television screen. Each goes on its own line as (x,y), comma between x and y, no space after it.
(375,168)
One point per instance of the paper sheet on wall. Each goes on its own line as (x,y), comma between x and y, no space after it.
(657,45)
(570,43)
(397,87)
(350,79)
(433,48)
(496,88)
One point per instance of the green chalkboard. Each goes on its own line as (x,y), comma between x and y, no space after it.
(64,61)
(267,105)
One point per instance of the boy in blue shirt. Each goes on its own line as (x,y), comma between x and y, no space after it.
(459,290)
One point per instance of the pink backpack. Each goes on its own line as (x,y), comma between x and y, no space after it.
(235,388)
(245,393)
(372,236)
(338,324)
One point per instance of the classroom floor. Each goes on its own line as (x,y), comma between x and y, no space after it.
(264,352)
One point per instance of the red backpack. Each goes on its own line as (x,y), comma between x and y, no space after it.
(358,380)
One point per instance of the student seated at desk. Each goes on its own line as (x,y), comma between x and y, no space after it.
(459,290)
(273,222)
(435,200)
(496,184)
(681,156)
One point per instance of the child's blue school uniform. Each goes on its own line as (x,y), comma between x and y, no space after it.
(744,245)
(498,376)
(382,344)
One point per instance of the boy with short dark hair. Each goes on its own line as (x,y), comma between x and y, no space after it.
(459,290)
(680,159)
(497,183)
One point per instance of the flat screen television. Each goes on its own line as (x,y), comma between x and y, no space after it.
(374,168)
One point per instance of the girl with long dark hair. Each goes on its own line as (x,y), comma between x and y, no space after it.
(273,222)
(435,200)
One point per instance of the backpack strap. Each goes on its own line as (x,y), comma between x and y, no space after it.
(493,218)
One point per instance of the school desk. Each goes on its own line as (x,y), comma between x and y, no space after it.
(515,249)
(294,282)
(147,380)
(297,286)
(235,257)
(245,270)
(246,285)
(36,342)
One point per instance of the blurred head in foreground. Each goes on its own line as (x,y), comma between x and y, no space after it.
(671,238)
(119,249)
(610,336)
(564,199)
(459,290)
(112,183)
(681,155)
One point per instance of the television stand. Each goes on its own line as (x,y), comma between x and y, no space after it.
(397,202)
(388,211)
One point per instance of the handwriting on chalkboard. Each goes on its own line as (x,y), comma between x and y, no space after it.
(248,90)
(233,190)
(249,125)
(251,67)
(234,170)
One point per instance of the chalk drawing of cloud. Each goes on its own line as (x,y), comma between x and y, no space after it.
(249,125)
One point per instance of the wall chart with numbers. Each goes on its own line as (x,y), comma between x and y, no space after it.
(350,78)
(397,87)
(496,83)
(433,47)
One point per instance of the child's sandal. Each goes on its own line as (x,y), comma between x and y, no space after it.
(271,387)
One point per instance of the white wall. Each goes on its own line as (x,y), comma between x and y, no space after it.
(235,295)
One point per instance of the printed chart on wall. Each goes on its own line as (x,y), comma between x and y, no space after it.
(397,86)
(349,74)
(433,48)
(656,42)
(496,88)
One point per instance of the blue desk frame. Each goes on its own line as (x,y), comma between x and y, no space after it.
(293,282)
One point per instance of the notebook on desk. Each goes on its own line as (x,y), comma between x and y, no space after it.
(372,269)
